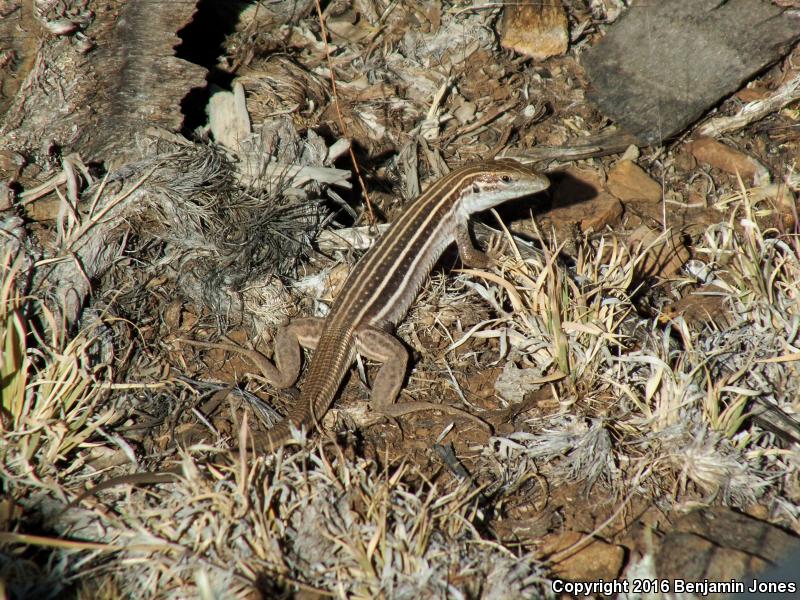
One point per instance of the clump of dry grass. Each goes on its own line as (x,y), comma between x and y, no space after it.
(651,407)
(52,394)
(644,408)
(226,246)
(302,519)
(53,402)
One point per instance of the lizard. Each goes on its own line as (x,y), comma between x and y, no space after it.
(381,288)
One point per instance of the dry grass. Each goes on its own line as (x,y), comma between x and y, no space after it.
(643,409)
(668,402)
(52,392)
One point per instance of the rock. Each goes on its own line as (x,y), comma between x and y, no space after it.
(11,164)
(513,383)
(6,197)
(44,209)
(702,306)
(579,199)
(628,181)
(684,161)
(228,119)
(597,560)
(464,111)
(730,529)
(718,544)
(647,74)
(665,256)
(603,210)
(538,30)
(692,558)
(718,155)
(752,93)
(777,205)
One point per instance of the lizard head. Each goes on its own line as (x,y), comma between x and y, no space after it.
(490,183)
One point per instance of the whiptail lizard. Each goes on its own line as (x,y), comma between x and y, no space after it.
(380,290)
(375,297)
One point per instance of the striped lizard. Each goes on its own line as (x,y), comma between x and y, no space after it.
(380,289)
(375,297)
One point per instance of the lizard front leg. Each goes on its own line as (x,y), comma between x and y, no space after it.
(470,255)
(381,346)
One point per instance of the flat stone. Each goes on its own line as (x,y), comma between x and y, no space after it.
(628,181)
(597,560)
(777,206)
(704,305)
(11,164)
(6,197)
(691,557)
(663,64)
(721,545)
(665,255)
(752,94)
(580,200)
(728,528)
(538,30)
(718,155)
(44,209)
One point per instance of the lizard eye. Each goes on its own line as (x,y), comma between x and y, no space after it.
(506,178)
(476,189)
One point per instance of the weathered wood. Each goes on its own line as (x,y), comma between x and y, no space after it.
(90,89)
(604,143)
(664,64)
(140,80)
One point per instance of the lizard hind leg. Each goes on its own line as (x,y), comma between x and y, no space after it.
(299,333)
(284,371)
